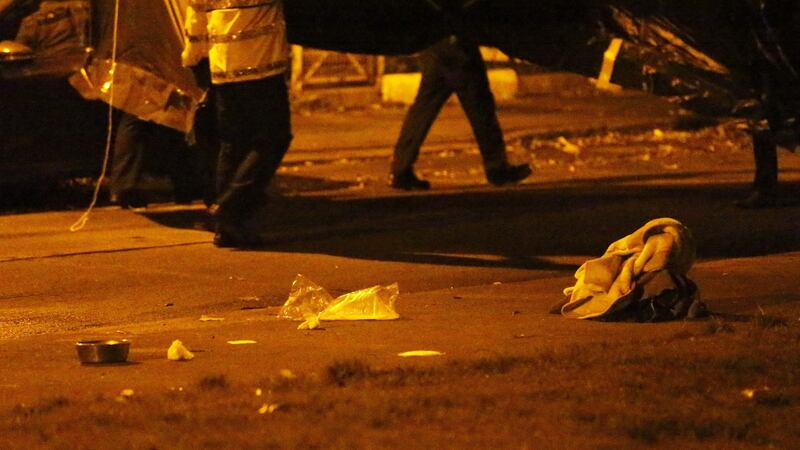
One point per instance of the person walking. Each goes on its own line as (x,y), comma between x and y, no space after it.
(248,54)
(453,65)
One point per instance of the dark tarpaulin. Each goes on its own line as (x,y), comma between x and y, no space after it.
(704,54)
(552,33)
(713,57)
(11,14)
(365,26)
(710,55)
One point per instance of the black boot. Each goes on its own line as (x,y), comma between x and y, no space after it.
(765,182)
(508,174)
(408,181)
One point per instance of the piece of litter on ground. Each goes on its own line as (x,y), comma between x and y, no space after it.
(205,318)
(242,342)
(288,374)
(268,408)
(568,147)
(178,352)
(252,302)
(252,307)
(306,299)
(752,393)
(258,392)
(420,353)
(311,323)
(125,395)
(497,283)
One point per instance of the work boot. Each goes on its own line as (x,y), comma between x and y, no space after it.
(408,181)
(236,236)
(757,200)
(132,199)
(508,174)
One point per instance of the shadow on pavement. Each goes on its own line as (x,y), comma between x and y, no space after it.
(518,227)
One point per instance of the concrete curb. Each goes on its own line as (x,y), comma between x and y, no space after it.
(402,87)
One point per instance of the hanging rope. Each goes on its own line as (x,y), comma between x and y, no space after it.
(81,222)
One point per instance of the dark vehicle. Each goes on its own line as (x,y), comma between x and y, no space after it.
(47,130)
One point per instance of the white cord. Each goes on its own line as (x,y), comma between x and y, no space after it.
(81,222)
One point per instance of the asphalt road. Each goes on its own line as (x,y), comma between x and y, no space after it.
(475,264)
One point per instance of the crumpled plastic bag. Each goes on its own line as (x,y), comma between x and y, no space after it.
(305,298)
(308,301)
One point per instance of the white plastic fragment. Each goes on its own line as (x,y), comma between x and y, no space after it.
(311,323)
(124,395)
(178,352)
(205,318)
(268,408)
(242,342)
(420,353)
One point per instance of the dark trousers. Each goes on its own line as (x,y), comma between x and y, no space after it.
(765,153)
(254,132)
(141,146)
(451,66)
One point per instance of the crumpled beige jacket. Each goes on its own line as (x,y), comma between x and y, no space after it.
(640,265)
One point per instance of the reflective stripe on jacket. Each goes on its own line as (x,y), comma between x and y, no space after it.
(243,39)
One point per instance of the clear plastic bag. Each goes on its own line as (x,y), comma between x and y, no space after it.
(305,298)
(309,300)
(375,303)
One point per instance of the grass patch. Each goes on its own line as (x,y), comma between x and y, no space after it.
(743,364)
(343,372)
(45,407)
(497,366)
(212,382)
(670,428)
(690,392)
(766,322)
(774,399)
(718,326)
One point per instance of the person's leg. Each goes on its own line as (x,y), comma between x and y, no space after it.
(231,114)
(250,152)
(432,94)
(205,147)
(127,165)
(274,132)
(247,167)
(765,181)
(184,169)
(478,102)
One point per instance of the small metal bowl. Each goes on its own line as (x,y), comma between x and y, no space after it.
(108,351)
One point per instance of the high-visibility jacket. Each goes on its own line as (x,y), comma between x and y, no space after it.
(243,39)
